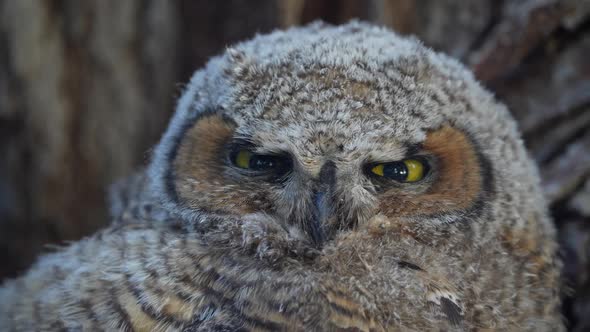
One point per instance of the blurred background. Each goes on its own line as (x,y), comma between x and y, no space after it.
(87,87)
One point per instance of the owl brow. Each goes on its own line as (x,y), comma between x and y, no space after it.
(412,148)
(241,142)
(244,142)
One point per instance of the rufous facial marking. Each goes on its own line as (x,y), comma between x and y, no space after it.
(458,178)
(199,167)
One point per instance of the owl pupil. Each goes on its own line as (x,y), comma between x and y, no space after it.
(260,163)
(396,171)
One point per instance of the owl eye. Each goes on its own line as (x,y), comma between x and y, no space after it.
(246,159)
(408,170)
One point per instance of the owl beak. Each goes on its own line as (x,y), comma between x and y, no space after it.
(317,223)
(323,207)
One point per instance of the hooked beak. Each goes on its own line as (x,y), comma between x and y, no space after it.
(318,225)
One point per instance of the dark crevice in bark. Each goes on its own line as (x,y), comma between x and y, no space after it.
(487,31)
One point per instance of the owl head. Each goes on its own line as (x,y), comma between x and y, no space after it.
(325,127)
(329,131)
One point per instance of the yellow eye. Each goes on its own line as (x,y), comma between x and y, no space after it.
(409,170)
(260,163)
(242,159)
(378,169)
(415,170)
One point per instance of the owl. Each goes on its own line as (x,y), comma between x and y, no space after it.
(322,178)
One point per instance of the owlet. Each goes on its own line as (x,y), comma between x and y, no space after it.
(323,178)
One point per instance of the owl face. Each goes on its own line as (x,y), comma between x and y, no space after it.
(323,128)
(323,136)
(327,158)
